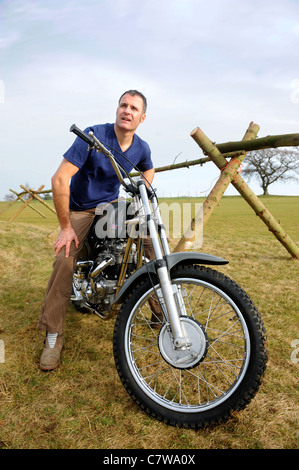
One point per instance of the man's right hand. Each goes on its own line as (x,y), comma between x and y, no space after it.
(65,238)
(61,198)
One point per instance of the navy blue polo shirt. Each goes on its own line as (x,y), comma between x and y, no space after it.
(96,181)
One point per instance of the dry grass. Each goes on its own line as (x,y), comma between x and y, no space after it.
(82,405)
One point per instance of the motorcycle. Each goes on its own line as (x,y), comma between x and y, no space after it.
(189,344)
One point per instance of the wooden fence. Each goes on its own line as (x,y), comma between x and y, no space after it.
(228,157)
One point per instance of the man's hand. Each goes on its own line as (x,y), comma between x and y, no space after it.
(65,238)
(61,198)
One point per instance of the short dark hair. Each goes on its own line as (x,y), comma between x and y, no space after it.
(136,93)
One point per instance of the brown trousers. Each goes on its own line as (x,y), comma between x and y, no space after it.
(59,287)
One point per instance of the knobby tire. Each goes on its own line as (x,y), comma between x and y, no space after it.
(228,376)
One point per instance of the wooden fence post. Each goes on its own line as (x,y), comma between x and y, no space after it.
(271,141)
(212,150)
(227,174)
(26,203)
(32,193)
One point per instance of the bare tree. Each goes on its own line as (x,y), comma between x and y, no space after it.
(27,195)
(271,165)
(9,197)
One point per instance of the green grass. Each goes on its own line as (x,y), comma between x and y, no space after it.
(83,404)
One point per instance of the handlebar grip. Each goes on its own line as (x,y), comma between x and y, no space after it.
(82,135)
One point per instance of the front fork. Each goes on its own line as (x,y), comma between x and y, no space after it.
(172,296)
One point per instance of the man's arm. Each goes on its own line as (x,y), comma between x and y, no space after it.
(148,176)
(61,198)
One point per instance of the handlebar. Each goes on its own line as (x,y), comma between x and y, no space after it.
(82,135)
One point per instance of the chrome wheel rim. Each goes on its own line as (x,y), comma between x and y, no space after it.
(216,377)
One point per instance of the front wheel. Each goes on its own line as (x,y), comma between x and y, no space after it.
(227,332)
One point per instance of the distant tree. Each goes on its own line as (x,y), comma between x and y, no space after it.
(9,197)
(47,197)
(271,165)
(27,195)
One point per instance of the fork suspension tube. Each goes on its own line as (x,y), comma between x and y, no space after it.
(178,333)
(150,222)
(180,340)
(161,226)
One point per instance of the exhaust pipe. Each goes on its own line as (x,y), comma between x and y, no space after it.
(100,267)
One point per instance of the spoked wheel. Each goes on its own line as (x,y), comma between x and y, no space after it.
(221,371)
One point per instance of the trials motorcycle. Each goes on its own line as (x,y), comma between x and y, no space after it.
(189,344)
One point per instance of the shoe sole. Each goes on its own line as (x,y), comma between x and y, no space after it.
(49,367)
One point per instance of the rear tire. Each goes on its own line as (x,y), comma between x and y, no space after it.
(231,369)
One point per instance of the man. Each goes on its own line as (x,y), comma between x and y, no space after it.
(93,181)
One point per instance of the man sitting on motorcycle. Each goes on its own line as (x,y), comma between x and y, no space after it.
(83,180)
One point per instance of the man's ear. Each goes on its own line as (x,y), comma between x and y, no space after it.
(142,118)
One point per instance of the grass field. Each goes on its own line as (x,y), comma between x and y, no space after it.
(82,405)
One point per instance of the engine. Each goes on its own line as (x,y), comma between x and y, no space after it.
(113,249)
(95,282)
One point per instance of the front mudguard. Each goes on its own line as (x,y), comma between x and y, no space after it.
(172,260)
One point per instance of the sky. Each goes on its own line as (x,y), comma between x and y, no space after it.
(214,64)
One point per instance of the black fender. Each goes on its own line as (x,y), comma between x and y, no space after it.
(172,260)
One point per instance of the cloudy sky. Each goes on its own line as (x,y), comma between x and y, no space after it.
(217,64)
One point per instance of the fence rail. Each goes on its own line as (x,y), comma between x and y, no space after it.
(228,157)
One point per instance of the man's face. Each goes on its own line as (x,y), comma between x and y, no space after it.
(129,113)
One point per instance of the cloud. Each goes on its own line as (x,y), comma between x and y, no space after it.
(7,40)
(215,64)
